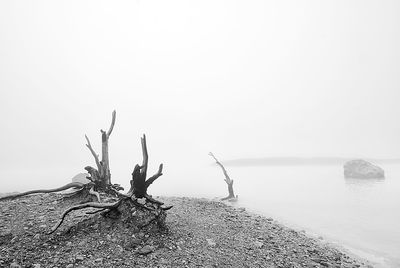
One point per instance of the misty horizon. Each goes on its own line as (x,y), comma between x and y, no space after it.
(282,92)
(294,160)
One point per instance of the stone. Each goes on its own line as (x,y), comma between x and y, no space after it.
(361,169)
(258,244)
(141,201)
(146,250)
(15,265)
(36,265)
(81,177)
(99,260)
(211,242)
(79,258)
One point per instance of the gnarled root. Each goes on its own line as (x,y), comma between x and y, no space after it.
(94,193)
(82,206)
(59,189)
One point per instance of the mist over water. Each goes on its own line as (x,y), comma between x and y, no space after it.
(259,79)
(360,214)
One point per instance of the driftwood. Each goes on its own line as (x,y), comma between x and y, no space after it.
(120,204)
(228,180)
(138,190)
(77,185)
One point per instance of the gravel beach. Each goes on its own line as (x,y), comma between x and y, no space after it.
(199,233)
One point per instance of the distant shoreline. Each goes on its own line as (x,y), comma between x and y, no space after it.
(300,161)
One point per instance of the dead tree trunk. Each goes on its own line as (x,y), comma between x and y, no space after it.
(228,180)
(139,184)
(102,176)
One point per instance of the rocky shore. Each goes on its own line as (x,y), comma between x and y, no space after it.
(200,233)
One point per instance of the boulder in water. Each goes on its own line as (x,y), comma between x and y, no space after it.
(362,169)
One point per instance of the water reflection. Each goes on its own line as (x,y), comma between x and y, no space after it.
(360,182)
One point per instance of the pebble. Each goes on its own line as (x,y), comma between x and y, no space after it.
(146,250)
(258,244)
(79,258)
(211,242)
(98,260)
(141,201)
(15,265)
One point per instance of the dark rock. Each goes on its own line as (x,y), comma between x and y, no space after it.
(362,169)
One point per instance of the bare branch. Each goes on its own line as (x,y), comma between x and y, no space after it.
(145,156)
(227,179)
(96,156)
(155,176)
(82,206)
(59,189)
(114,113)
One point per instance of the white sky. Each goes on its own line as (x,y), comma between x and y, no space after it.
(239,78)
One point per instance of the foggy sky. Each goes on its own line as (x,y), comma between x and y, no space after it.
(239,78)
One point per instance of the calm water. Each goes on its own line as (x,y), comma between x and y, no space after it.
(361,215)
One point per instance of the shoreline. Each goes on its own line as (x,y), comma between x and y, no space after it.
(201,233)
(374,258)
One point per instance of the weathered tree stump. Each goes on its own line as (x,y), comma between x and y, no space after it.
(231,196)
